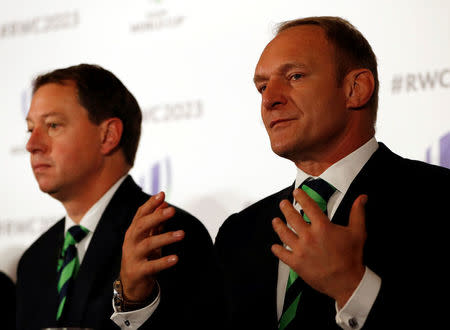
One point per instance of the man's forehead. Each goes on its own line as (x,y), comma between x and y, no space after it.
(296,44)
(43,115)
(53,99)
(298,38)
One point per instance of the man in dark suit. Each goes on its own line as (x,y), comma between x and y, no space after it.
(84,132)
(378,263)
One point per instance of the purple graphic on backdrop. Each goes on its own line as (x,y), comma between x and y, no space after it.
(25,101)
(444,152)
(157,178)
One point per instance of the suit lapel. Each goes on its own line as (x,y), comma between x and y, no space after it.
(48,278)
(366,182)
(272,237)
(284,194)
(98,261)
(275,211)
(102,259)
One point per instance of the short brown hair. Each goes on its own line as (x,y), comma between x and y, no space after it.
(104,96)
(353,51)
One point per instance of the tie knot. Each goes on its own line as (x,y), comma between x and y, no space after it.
(319,190)
(76,234)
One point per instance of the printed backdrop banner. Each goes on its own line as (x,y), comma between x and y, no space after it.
(190,65)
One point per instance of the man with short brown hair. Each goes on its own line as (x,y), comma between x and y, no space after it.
(347,245)
(84,128)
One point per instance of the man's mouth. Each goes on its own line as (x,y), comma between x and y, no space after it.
(39,167)
(279,122)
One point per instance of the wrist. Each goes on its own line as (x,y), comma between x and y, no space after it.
(351,284)
(123,303)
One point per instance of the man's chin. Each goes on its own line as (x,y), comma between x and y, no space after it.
(284,151)
(51,190)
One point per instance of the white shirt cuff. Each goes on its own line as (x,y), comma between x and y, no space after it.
(134,319)
(354,313)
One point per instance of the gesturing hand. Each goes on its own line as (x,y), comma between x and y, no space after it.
(141,250)
(328,257)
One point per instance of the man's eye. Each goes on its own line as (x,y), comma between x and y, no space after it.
(261,88)
(52,125)
(296,76)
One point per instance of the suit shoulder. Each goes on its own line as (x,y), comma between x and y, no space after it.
(129,197)
(48,234)
(417,170)
(431,168)
(186,221)
(405,169)
(266,207)
(40,244)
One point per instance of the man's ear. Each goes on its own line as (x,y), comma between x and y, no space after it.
(359,85)
(112,129)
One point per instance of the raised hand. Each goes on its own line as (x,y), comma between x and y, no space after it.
(141,250)
(328,257)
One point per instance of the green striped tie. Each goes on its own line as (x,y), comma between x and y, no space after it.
(320,191)
(68,264)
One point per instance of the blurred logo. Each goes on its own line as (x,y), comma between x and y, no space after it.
(156,18)
(157,178)
(420,81)
(14,227)
(40,24)
(439,153)
(184,110)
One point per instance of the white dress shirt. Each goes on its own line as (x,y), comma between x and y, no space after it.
(341,174)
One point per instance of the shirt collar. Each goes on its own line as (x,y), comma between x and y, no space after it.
(342,173)
(92,217)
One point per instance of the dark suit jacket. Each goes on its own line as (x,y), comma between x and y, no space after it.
(405,218)
(8,303)
(187,289)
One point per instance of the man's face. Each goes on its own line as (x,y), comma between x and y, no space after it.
(303,108)
(64,144)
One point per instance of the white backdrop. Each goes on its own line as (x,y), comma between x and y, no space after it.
(190,65)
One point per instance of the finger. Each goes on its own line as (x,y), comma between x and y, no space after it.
(150,205)
(357,220)
(153,267)
(149,225)
(282,253)
(293,217)
(310,207)
(156,230)
(164,204)
(156,242)
(286,235)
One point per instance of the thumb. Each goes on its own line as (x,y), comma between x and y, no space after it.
(357,221)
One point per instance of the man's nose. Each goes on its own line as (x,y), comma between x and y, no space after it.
(36,141)
(274,95)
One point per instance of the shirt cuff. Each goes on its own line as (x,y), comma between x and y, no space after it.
(134,319)
(354,313)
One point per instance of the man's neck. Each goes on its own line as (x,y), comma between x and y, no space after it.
(315,165)
(77,206)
